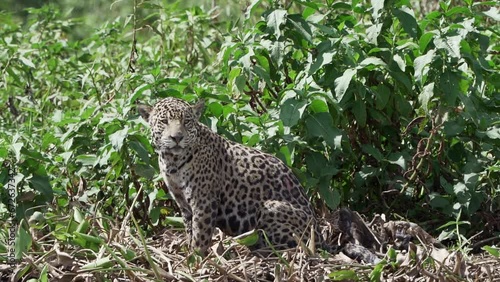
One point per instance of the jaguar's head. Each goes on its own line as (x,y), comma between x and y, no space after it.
(174,124)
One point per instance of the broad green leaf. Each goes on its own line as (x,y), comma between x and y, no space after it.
(377,6)
(372,151)
(318,106)
(118,137)
(425,96)
(301,26)
(329,195)
(450,44)
(377,271)
(291,111)
(373,32)
(139,148)
(145,171)
(138,92)
(493,13)
(315,163)
(493,132)
(323,59)
(342,83)
(321,125)
(275,19)
(23,241)
(383,93)
(439,201)
(42,185)
(458,10)
(425,40)
(372,61)
(359,111)
(407,18)
(86,238)
(421,65)
(448,83)
(400,62)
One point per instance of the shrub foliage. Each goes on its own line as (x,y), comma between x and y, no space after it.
(374,106)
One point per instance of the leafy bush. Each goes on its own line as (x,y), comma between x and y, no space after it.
(372,106)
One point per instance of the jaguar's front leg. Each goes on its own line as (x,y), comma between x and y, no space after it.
(203,227)
(187,218)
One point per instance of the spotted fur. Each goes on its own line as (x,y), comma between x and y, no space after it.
(220,183)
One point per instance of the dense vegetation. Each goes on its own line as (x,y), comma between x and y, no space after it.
(375,107)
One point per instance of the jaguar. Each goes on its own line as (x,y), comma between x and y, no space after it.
(218,183)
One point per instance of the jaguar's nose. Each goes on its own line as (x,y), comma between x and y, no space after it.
(177,138)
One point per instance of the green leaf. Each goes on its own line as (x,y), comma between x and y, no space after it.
(421,65)
(359,111)
(397,159)
(291,111)
(493,13)
(383,93)
(493,132)
(372,61)
(318,106)
(139,148)
(27,62)
(372,151)
(407,19)
(425,96)
(86,238)
(448,83)
(344,275)
(145,171)
(42,185)
(251,7)
(315,163)
(43,277)
(377,6)
(105,263)
(249,238)
(301,26)
(377,271)
(321,125)
(330,196)
(87,159)
(23,241)
(118,137)
(492,250)
(342,83)
(425,40)
(275,19)
(450,44)
(322,59)
(175,221)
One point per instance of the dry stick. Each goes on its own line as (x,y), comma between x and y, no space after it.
(224,272)
(133,52)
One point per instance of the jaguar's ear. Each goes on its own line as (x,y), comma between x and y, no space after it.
(198,108)
(144,111)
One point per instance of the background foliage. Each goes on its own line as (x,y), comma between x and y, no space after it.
(374,105)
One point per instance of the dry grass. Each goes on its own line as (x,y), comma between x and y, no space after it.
(125,256)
